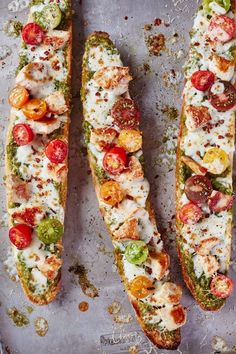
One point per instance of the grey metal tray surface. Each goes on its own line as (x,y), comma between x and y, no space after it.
(157,89)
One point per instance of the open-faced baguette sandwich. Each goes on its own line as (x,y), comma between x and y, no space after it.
(114,143)
(205,156)
(37,146)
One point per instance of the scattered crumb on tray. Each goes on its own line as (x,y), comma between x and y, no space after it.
(114,308)
(170,112)
(122,319)
(87,287)
(41,326)
(12,28)
(219,344)
(156,44)
(29,309)
(134,349)
(10,266)
(83,306)
(19,318)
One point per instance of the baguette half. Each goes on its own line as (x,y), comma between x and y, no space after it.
(127,211)
(39,264)
(204,245)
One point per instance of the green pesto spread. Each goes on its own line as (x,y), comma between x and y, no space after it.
(100,174)
(62,86)
(23,61)
(201,285)
(87,131)
(11,157)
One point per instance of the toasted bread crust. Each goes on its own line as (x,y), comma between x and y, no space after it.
(55,288)
(161,339)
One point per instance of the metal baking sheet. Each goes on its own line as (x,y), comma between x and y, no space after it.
(157,87)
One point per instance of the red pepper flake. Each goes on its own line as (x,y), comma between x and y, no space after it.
(97,94)
(39,186)
(220,137)
(157,22)
(37,159)
(33,49)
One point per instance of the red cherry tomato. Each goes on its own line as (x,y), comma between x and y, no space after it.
(114,160)
(225,100)
(222,286)
(22,134)
(221,28)
(190,214)
(56,151)
(125,113)
(21,236)
(198,188)
(32,34)
(202,79)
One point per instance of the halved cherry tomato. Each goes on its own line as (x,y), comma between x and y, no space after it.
(190,214)
(35,109)
(136,252)
(111,192)
(18,97)
(225,100)
(32,34)
(216,160)
(221,28)
(222,286)
(22,134)
(202,79)
(130,140)
(21,236)
(114,160)
(141,286)
(56,151)
(125,113)
(198,188)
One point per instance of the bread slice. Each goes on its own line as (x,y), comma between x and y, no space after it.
(189,237)
(101,61)
(51,286)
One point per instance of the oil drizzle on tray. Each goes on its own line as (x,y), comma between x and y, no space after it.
(19,318)
(87,287)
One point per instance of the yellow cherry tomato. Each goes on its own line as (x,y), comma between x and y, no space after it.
(141,286)
(130,140)
(111,193)
(18,97)
(216,160)
(35,109)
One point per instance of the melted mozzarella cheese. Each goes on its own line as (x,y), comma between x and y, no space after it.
(38,280)
(114,217)
(99,155)
(97,105)
(34,254)
(139,190)
(131,270)
(100,57)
